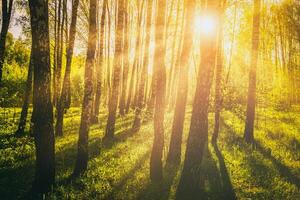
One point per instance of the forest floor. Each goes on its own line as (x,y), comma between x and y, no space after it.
(120,169)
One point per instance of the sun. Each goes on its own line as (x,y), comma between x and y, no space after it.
(205,24)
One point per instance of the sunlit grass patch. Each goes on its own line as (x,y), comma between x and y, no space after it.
(259,172)
(119,169)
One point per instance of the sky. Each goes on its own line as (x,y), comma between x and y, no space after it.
(15,29)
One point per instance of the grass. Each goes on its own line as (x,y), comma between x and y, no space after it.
(270,169)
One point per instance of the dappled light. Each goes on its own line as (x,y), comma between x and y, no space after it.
(150,100)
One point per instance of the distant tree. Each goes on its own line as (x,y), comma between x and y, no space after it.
(24,112)
(113,100)
(136,64)
(178,121)
(219,70)
(6,15)
(198,133)
(176,62)
(122,103)
(65,97)
(99,69)
(176,41)
(250,114)
(42,118)
(151,101)
(82,151)
(141,89)
(107,77)
(58,49)
(156,173)
(131,86)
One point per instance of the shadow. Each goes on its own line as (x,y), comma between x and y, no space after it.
(120,137)
(10,140)
(291,144)
(232,137)
(283,170)
(96,145)
(228,191)
(72,126)
(209,182)
(161,190)
(118,186)
(277,135)
(97,148)
(65,159)
(15,182)
(170,173)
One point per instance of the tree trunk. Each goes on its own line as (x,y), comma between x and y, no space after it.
(99,66)
(23,117)
(250,114)
(6,15)
(138,57)
(150,105)
(55,47)
(218,86)
(125,65)
(135,69)
(160,90)
(174,82)
(82,152)
(58,59)
(131,87)
(173,54)
(198,134)
(113,101)
(177,128)
(42,107)
(146,82)
(141,89)
(65,98)
(108,43)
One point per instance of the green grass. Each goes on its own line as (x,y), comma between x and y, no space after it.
(120,169)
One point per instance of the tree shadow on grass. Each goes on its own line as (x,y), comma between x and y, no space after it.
(120,184)
(213,183)
(16,166)
(120,137)
(161,190)
(284,171)
(6,136)
(14,182)
(228,191)
(66,158)
(96,146)
(123,135)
